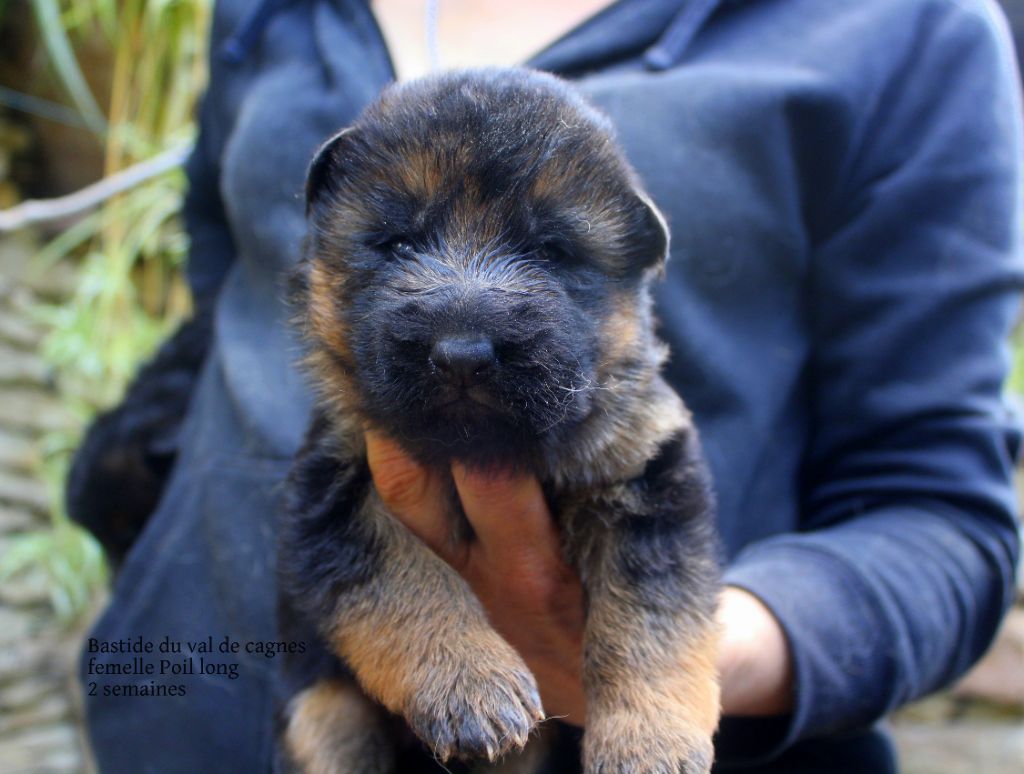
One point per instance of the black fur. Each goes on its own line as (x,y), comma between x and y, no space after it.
(324,549)
(121,467)
(665,549)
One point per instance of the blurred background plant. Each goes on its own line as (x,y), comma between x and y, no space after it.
(98,86)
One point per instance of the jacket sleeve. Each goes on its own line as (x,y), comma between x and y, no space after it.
(904,564)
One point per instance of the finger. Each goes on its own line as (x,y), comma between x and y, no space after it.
(508,513)
(411,492)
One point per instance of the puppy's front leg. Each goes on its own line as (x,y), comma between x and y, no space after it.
(651,579)
(419,642)
(401,619)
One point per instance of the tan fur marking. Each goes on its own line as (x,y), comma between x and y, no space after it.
(621,330)
(334,728)
(552,182)
(601,227)
(420,173)
(338,391)
(651,681)
(330,357)
(683,684)
(629,421)
(324,299)
(391,668)
(640,720)
(471,230)
(691,691)
(420,644)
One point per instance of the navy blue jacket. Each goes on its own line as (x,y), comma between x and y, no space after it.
(842,179)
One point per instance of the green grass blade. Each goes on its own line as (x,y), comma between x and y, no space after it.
(66,64)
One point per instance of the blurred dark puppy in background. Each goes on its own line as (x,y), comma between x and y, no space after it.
(476,286)
(119,471)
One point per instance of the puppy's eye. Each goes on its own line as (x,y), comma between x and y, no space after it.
(398,247)
(557,252)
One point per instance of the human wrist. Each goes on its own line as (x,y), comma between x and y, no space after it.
(755,663)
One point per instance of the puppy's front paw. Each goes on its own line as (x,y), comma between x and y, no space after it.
(475,702)
(624,742)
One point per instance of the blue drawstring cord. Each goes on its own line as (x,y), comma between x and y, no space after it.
(680,33)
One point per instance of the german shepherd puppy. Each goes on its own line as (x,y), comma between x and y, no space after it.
(476,286)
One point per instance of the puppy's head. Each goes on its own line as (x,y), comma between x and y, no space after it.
(477,264)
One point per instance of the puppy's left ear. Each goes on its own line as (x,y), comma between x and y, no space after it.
(652,233)
(327,169)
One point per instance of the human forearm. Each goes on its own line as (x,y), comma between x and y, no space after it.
(880,609)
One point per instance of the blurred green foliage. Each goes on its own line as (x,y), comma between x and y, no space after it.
(127,255)
(1016,381)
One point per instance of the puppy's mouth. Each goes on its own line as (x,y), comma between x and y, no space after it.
(471,399)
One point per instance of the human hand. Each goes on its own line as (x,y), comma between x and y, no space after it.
(514,564)
(534,599)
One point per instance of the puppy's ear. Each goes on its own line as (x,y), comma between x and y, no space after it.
(652,232)
(327,168)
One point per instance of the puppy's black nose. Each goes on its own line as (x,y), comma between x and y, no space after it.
(463,359)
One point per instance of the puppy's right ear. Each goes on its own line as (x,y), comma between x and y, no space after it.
(327,167)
